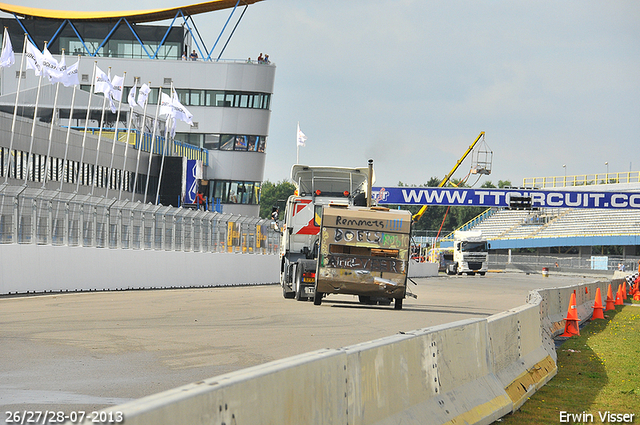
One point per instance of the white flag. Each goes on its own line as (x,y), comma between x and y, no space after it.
(116,91)
(171,106)
(165,105)
(50,66)
(34,59)
(132,97)
(70,75)
(7,58)
(102,83)
(301,137)
(143,95)
(181,112)
(61,73)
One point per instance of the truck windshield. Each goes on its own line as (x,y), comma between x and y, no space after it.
(474,246)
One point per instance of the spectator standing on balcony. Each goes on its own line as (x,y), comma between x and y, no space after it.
(260,58)
(193,55)
(266,59)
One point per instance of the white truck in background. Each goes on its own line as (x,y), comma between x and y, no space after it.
(470,253)
(316,186)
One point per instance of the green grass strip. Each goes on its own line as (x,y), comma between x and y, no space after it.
(598,375)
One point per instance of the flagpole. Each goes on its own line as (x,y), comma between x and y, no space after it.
(115,135)
(53,114)
(66,143)
(164,147)
(15,109)
(86,125)
(126,142)
(144,120)
(104,104)
(153,139)
(33,125)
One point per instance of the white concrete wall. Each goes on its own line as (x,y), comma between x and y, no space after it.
(472,372)
(417,269)
(43,268)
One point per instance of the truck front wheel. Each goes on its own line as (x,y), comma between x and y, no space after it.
(398,304)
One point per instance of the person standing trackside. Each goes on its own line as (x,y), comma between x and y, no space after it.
(201,201)
(193,56)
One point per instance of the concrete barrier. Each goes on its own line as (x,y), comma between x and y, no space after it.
(520,357)
(471,371)
(417,269)
(307,389)
(44,268)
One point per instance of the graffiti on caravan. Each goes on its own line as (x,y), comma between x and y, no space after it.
(501,197)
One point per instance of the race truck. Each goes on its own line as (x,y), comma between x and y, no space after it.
(364,251)
(316,186)
(470,253)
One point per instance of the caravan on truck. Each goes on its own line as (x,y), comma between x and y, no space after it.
(335,242)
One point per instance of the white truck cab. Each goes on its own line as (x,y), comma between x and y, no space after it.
(316,186)
(470,253)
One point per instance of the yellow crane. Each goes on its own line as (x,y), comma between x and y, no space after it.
(482,167)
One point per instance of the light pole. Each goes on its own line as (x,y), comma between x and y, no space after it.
(607,176)
(565,174)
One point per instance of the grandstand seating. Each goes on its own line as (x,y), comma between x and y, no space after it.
(557,223)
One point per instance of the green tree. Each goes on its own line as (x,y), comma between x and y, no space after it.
(504,183)
(443,218)
(274,194)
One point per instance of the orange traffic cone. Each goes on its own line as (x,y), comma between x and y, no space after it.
(619,296)
(636,297)
(597,306)
(610,304)
(623,292)
(572,323)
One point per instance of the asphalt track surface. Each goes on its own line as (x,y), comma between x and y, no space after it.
(88,351)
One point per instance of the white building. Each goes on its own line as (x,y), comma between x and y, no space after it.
(229,99)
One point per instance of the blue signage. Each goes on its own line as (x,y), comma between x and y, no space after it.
(191,181)
(501,197)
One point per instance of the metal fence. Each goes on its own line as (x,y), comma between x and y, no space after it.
(594,262)
(43,217)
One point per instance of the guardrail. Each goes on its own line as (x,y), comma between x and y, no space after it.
(582,179)
(42,217)
(471,371)
(144,141)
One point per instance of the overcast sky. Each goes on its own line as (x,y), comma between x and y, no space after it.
(411,83)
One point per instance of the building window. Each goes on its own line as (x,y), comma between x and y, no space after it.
(224,142)
(235,192)
(212,141)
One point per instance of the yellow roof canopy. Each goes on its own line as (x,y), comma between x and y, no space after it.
(133,16)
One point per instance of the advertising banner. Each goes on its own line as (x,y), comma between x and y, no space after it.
(501,197)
